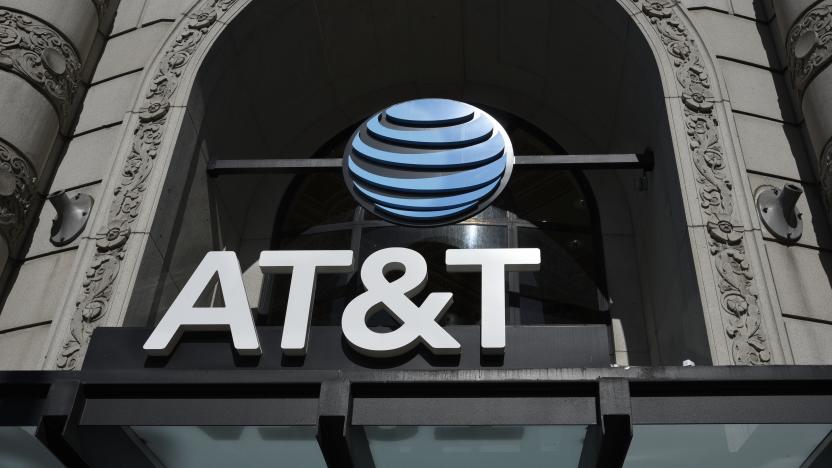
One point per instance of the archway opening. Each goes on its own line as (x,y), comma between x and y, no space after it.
(285,79)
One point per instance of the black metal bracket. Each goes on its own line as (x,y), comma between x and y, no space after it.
(342,445)
(72,216)
(58,428)
(778,211)
(607,443)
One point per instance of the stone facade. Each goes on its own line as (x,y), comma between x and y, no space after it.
(747,107)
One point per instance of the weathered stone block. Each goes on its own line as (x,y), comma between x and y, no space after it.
(737,38)
(774,148)
(127,16)
(107,103)
(23,349)
(803,280)
(811,341)
(37,292)
(87,159)
(130,51)
(757,91)
(155,10)
(29,121)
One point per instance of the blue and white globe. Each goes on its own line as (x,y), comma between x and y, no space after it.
(428,162)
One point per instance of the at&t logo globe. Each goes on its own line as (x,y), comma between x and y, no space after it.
(428,162)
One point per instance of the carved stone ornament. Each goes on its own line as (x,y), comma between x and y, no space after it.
(739,298)
(93,302)
(17,188)
(42,56)
(809,46)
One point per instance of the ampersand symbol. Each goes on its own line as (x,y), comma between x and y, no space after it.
(418,323)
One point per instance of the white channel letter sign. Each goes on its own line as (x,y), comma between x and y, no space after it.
(419,323)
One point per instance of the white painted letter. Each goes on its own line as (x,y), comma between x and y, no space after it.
(183,316)
(493,263)
(302,265)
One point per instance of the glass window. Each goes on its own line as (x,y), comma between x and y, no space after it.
(724,445)
(19,447)
(224,446)
(315,199)
(564,290)
(480,446)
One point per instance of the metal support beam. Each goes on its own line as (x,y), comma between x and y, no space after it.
(58,429)
(606,444)
(642,161)
(342,445)
(272,166)
(587,161)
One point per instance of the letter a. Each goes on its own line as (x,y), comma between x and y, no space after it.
(183,316)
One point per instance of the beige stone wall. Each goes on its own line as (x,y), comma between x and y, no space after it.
(774,137)
(48,50)
(86,150)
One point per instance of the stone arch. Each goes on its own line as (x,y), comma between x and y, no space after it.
(738,316)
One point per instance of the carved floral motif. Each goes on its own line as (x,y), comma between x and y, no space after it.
(39,54)
(17,188)
(809,46)
(739,297)
(93,303)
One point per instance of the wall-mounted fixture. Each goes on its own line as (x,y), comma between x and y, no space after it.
(777,208)
(73,213)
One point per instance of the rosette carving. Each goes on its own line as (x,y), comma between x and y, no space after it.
(809,46)
(17,189)
(36,52)
(93,302)
(738,293)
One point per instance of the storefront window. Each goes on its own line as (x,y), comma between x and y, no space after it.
(224,446)
(724,445)
(19,447)
(480,446)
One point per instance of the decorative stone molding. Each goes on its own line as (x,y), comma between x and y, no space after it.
(93,303)
(42,56)
(739,298)
(809,46)
(17,189)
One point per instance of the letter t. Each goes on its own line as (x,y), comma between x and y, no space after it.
(303,266)
(493,263)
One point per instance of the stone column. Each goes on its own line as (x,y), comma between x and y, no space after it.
(806,29)
(44,46)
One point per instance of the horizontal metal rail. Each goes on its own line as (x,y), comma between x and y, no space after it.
(642,161)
